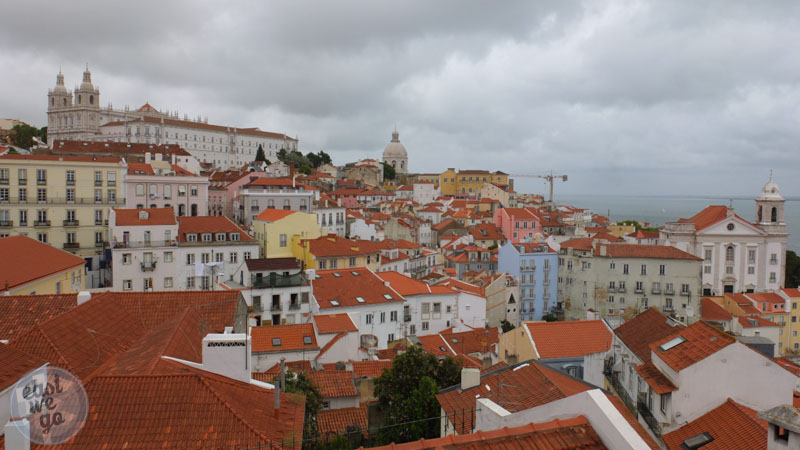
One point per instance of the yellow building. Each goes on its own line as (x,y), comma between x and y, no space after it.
(275,229)
(29,267)
(793,327)
(63,201)
(469,181)
(621,230)
(336,252)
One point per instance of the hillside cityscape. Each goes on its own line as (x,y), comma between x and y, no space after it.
(268,281)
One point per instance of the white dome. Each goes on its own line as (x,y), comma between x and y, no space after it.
(770,191)
(394,149)
(60,89)
(86,85)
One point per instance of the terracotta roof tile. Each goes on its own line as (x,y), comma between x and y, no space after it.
(370,369)
(708,216)
(67,158)
(144,217)
(342,420)
(733,426)
(274,215)
(333,245)
(18,313)
(27,262)
(334,383)
(349,287)
(16,364)
(755,321)
(712,311)
(334,323)
(560,434)
(284,338)
(655,379)
(700,341)
(209,224)
(272,264)
(435,345)
(116,148)
(473,341)
(569,339)
(643,251)
(644,329)
(530,384)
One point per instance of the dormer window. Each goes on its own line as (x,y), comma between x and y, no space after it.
(220,236)
(206,237)
(191,237)
(234,236)
(276,342)
(307,340)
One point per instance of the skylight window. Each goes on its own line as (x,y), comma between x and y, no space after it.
(335,302)
(355,274)
(360,299)
(388,297)
(455,340)
(337,274)
(672,343)
(307,340)
(276,342)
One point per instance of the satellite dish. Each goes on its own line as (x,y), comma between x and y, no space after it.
(690,311)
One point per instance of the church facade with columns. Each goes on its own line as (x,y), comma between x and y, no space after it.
(76,115)
(738,255)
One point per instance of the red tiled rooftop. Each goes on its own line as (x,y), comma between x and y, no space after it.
(274,215)
(209,224)
(346,287)
(435,344)
(333,245)
(655,379)
(569,339)
(643,251)
(638,333)
(755,321)
(732,425)
(65,158)
(473,341)
(144,217)
(334,383)
(18,313)
(701,341)
(28,261)
(709,216)
(289,338)
(574,433)
(712,311)
(15,365)
(370,369)
(116,148)
(339,421)
(334,323)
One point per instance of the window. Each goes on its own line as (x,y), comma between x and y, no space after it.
(424,326)
(664,398)
(612,265)
(206,237)
(70,178)
(167,256)
(662,269)
(283,240)
(190,281)
(205,258)
(644,269)
(4,197)
(193,191)
(708,253)
(707,269)
(383,317)
(286,204)
(23,217)
(393,316)
(112,195)
(729,253)
(41,176)
(234,257)
(751,270)
(773,258)
(368,319)
(23,195)
(190,259)
(98,216)
(684,289)
(772,277)
(22,174)
(98,195)
(127,285)
(112,178)
(42,237)
(191,237)
(426,308)
(352,261)
(219,257)
(41,195)
(126,258)
(391,337)
(98,238)
(322,264)
(246,255)
(234,237)
(625,269)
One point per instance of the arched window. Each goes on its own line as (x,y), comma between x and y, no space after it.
(729,253)
(52,102)
(65,102)
(91,99)
(774,214)
(760,215)
(79,99)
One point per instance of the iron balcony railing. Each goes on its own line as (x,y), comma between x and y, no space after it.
(149,267)
(140,244)
(33,200)
(72,245)
(71,223)
(6,223)
(648,417)
(278,280)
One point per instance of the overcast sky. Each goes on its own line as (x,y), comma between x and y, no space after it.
(631,97)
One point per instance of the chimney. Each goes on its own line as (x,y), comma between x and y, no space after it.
(784,427)
(729,211)
(18,434)
(83,297)
(228,354)
(470,378)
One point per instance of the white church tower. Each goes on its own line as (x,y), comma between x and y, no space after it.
(395,154)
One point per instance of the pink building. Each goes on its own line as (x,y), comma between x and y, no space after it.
(224,187)
(160,184)
(518,224)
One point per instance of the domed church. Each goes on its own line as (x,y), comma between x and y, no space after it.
(395,154)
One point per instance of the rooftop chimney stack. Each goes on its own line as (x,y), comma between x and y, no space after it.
(470,378)
(17,434)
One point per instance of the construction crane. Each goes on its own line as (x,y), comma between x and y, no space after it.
(549,177)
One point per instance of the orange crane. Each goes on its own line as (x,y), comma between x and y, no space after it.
(549,177)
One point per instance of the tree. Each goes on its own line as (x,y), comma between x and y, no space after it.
(407,392)
(282,155)
(43,134)
(305,168)
(326,158)
(260,156)
(23,135)
(506,326)
(792,269)
(550,317)
(388,172)
(301,384)
(636,225)
(315,160)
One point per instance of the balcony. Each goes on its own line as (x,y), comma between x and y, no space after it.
(276,280)
(71,245)
(638,290)
(3,180)
(100,244)
(98,182)
(294,305)
(686,293)
(406,318)
(648,417)
(669,291)
(145,244)
(616,384)
(41,182)
(23,182)
(668,309)
(6,223)
(149,267)
(612,289)
(621,289)
(656,290)
(70,182)
(71,223)
(275,307)
(41,223)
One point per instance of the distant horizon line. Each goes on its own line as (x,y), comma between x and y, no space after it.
(687,196)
